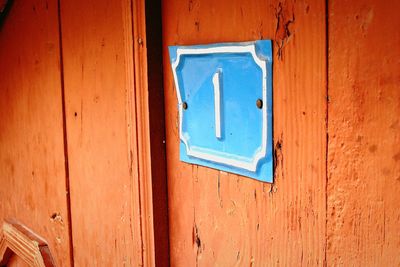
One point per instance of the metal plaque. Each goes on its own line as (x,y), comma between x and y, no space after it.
(225,106)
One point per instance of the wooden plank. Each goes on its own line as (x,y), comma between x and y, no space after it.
(101,129)
(143,131)
(220,219)
(32,163)
(364,134)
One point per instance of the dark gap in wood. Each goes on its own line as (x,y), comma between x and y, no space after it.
(4,10)
(157,131)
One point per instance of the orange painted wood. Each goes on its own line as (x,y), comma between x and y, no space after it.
(101,129)
(143,132)
(17,262)
(18,240)
(32,163)
(221,219)
(364,134)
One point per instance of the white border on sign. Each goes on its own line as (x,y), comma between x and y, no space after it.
(252,165)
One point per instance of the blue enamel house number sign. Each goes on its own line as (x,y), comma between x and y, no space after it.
(225,106)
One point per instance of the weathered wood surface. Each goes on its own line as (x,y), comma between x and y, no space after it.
(101,130)
(220,219)
(364,134)
(32,169)
(216,219)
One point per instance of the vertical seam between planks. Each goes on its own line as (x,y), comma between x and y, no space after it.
(150,11)
(326,126)
(134,95)
(137,132)
(134,142)
(65,139)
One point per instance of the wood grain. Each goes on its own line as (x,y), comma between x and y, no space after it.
(364,134)
(220,219)
(32,171)
(17,239)
(101,130)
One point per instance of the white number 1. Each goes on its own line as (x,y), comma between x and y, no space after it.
(217,102)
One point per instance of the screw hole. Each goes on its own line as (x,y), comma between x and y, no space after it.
(184,105)
(259,103)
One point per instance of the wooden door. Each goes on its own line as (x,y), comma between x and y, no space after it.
(111,212)
(222,219)
(33,188)
(75,161)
